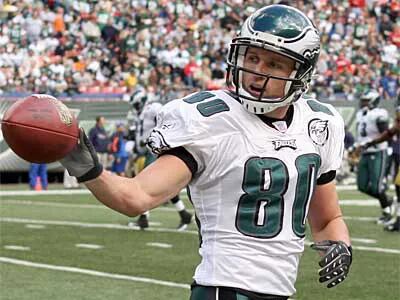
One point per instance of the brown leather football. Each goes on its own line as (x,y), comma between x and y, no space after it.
(40,128)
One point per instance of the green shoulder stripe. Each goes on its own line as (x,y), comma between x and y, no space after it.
(198,97)
(318,107)
(207,108)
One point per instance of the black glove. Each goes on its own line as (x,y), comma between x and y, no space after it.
(82,162)
(335,264)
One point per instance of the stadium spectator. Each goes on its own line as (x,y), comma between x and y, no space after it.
(117,148)
(134,37)
(38,171)
(100,140)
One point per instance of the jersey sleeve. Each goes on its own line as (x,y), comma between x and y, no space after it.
(154,109)
(382,115)
(332,151)
(179,126)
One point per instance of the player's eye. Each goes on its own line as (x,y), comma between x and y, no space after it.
(274,65)
(253,58)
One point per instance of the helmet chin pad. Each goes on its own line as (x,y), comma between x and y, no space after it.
(261,104)
(265,105)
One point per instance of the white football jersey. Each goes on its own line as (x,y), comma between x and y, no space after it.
(253,186)
(367,128)
(145,123)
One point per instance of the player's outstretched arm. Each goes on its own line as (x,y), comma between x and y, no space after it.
(330,234)
(131,196)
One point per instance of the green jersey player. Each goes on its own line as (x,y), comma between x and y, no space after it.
(372,121)
(259,159)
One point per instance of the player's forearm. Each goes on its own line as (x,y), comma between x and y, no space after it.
(335,229)
(119,193)
(385,136)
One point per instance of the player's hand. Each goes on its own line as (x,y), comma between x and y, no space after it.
(364,145)
(335,263)
(82,162)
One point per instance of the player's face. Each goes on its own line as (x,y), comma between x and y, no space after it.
(364,103)
(102,121)
(268,63)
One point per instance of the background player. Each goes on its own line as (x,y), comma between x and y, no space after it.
(392,133)
(372,168)
(148,107)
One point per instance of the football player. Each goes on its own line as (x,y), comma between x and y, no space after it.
(148,109)
(259,159)
(372,167)
(392,133)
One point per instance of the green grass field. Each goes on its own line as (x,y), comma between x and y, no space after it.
(48,251)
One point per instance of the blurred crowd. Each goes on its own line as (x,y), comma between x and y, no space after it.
(175,47)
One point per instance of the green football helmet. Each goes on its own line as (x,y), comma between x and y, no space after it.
(138,99)
(286,31)
(371,99)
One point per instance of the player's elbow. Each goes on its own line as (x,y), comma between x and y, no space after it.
(134,207)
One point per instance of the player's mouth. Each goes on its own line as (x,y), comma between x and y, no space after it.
(255,90)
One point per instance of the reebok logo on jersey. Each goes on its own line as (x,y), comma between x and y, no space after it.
(318,131)
(287,143)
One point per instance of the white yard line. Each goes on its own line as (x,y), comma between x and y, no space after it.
(346,187)
(52,204)
(116,226)
(366,203)
(87,192)
(362,240)
(159,245)
(89,246)
(65,205)
(90,225)
(19,262)
(51,192)
(41,193)
(35,226)
(72,205)
(363,219)
(345,202)
(17,248)
(360,202)
(353,187)
(376,249)
(369,249)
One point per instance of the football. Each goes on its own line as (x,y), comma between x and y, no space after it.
(40,128)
